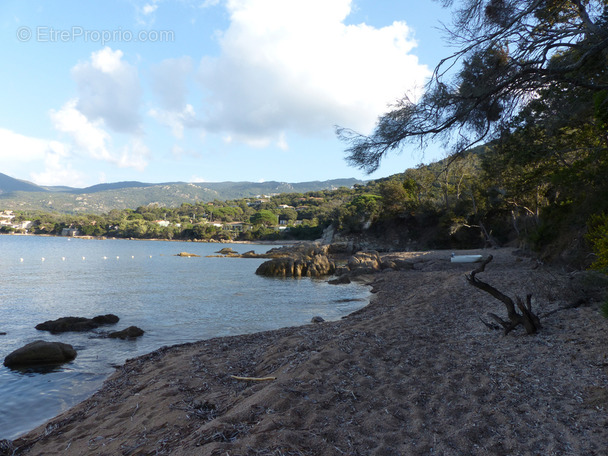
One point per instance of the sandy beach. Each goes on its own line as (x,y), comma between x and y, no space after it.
(414,373)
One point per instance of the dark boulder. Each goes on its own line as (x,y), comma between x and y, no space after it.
(108,319)
(340,280)
(77,324)
(40,352)
(129,333)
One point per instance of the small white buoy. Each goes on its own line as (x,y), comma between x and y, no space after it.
(21,259)
(132,256)
(105,257)
(117,257)
(83,258)
(150,256)
(62,258)
(42,258)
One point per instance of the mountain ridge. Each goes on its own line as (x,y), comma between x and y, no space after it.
(16,194)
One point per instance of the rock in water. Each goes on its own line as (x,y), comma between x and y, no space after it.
(129,333)
(108,319)
(78,324)
(227,251)
(309,260)
(41,352)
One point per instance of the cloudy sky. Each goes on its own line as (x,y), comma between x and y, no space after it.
(205,90)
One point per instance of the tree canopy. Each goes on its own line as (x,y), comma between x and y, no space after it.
(510,51)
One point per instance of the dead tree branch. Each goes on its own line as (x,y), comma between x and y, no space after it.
(526,318)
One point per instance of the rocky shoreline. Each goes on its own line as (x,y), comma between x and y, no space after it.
(415,372)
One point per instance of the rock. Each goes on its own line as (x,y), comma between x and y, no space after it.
(397,264)
(129,333)
(227,251)
(299,266)
(188,255)
(341,280)
(317,319)
(250,254)
(6,448)
(368,260)
(41,352)
(77,324)
(108,319)
(2,334)
(302,260)
(342,270)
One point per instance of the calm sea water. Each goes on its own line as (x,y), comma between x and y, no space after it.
(174,299)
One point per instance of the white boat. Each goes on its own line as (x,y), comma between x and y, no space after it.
(465,258)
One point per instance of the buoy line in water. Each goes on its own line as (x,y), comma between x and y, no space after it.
(43,259)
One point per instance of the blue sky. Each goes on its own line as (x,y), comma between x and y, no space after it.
(205,90)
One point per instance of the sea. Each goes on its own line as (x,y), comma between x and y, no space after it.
(173,299)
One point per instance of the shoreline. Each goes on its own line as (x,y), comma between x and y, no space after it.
(204,241)
(411,373)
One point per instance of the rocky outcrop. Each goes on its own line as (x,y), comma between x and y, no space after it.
(40,352)
(187,255)
(367,262)
(128,333)
(305,260)
(77,324)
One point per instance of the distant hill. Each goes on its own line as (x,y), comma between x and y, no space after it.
(21,195)
(9,184)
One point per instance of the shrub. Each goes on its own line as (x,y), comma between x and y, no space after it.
(597,237)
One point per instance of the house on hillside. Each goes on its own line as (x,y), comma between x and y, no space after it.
(237,227)
(71,231)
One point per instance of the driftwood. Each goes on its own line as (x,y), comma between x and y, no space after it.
(253,379)
(526,318)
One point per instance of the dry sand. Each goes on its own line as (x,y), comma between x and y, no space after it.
(414,373)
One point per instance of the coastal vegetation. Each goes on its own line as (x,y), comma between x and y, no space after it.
(522,108)
(512,191)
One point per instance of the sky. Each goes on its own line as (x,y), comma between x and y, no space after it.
(206,90)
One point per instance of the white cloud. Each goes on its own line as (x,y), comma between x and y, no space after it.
(57,171)
(209,3)
(17,150)
(177,121)
(87,136)
(134,155)
(15,147)
(149,9)
(169,82)
(109,99)
(109,90)
(92,138)
(295,65)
